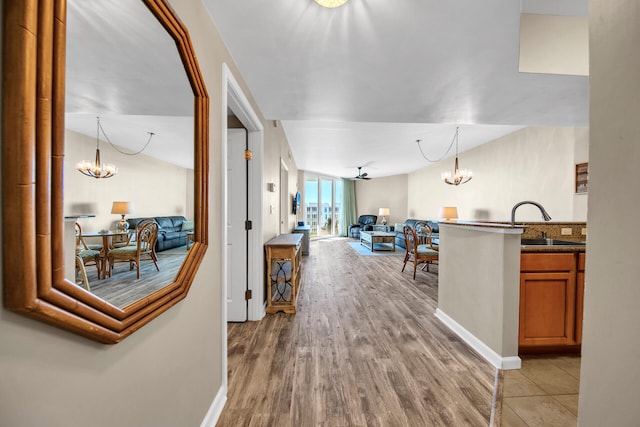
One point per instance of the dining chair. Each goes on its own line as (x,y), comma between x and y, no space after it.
(86,255)
(144,246)
(419,249)
(93,246)
(82,272)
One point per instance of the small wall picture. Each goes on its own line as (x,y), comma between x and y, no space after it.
(582,177)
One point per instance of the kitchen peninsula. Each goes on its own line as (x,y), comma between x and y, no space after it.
(505,295)
(479,273)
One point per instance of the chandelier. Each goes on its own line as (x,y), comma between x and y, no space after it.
(331,3)
(97,169)
(460,176)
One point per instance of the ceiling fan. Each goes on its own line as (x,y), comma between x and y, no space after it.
(361,175)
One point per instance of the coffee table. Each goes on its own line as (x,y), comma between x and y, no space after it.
(378,240)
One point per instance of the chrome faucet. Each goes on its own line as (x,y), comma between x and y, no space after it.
(545,215)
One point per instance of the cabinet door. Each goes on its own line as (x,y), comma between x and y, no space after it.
(580,297)
(547,308)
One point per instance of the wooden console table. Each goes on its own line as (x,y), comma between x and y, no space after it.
(283,255)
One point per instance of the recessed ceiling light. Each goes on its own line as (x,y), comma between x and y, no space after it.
(331,3)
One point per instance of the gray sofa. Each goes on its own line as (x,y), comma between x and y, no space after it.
(398,229)
(172,232)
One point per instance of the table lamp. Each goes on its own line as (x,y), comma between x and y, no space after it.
(383,212)
(122,208)
(449,212)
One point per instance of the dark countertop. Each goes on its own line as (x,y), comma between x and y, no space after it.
(552,248)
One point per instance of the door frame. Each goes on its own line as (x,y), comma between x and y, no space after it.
(234,99)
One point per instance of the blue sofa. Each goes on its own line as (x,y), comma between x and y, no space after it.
(172,231)
(398,229)
(365,223)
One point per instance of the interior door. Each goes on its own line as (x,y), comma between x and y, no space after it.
(236,231)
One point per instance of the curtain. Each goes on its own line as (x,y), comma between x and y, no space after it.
(349,205)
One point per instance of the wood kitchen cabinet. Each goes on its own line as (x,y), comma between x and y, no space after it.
(550,302)
(579,297)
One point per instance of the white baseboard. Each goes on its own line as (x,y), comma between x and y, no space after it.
(505,363)
(215,409)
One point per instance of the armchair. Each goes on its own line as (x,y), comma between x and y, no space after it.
(365,223)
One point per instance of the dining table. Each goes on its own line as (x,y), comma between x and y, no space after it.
(107,239)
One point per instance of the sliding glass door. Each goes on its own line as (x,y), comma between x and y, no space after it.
(322,207)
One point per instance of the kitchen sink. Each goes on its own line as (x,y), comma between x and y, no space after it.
(550,242)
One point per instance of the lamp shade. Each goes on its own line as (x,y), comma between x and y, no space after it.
(123,208)
(449,212)
(383,211)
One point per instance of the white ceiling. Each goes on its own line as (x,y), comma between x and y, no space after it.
(124,67)
(352,86)
(358,85)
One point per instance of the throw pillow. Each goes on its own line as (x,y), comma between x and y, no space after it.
(187,226)
(398,227)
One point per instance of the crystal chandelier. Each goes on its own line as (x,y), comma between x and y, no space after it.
(460,176)
(97,169)
(331,3)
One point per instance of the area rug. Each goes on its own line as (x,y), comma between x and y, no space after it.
(364,251)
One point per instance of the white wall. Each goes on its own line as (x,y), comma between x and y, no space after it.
(535,163)
(277,150)
(386,192)
(609,381)
(157,188)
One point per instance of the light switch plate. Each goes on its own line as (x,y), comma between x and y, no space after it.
(565,231)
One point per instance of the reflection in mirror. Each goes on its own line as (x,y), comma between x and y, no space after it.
(36,281)
(124,68)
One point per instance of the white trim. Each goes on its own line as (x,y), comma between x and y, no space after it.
(234,99)
(505,363)
(215,409)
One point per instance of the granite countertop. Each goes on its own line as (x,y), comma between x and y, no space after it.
(552,248)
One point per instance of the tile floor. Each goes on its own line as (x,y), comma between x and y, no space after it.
(544,392)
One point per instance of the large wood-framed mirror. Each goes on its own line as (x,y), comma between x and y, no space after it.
(33,156)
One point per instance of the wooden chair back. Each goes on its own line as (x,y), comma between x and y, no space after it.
(146,236)
(413,241)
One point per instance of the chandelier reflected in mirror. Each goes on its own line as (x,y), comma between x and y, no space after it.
(460,176)
(97,169)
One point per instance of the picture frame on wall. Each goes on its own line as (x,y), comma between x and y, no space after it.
(582,178)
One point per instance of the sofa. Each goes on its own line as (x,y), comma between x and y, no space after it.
(365,223)
(398,229)
(172,232)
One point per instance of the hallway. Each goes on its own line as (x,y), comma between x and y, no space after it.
(363,349)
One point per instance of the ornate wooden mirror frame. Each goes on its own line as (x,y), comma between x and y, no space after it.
(32,174)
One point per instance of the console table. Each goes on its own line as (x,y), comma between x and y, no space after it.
(283,256)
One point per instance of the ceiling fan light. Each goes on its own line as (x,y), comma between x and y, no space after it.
(331,3)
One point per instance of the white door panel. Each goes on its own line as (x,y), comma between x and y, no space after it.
(236,233)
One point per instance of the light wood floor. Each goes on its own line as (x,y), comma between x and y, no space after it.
(123,288)
(364,349)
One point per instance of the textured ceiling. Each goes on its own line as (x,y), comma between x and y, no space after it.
(124,67)
(359,84)
(352,86)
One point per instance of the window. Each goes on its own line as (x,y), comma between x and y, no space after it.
(322,208)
